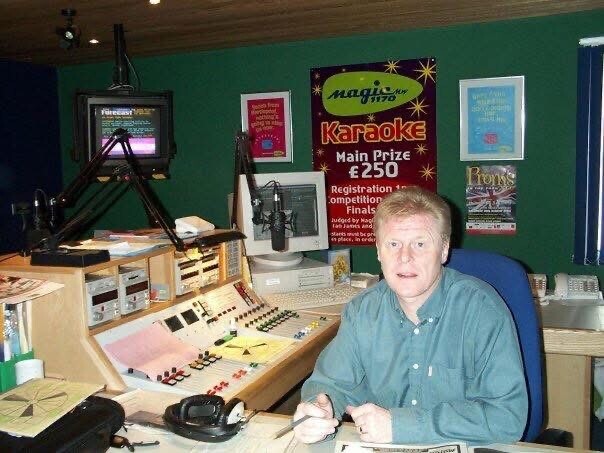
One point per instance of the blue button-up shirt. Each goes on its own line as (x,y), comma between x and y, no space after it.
(457,375)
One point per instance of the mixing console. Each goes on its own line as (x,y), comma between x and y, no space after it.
(208,320)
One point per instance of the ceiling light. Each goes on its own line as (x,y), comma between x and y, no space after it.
(70,33)
(155,2)
(94,41)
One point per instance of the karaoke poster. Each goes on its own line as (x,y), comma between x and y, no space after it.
(373,131)
(491,199)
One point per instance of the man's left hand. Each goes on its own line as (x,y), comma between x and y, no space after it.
(374,423)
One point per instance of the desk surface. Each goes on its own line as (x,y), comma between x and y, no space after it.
(570,314)
(257,438)
(571,328)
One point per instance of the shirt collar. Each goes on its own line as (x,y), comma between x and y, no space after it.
(434,305)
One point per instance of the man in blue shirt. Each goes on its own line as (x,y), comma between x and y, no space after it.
(428,354)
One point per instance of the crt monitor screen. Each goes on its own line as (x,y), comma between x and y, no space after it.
(302,200)
(141,121)
(146,116)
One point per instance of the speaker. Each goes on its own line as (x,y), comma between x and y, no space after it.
(205,418)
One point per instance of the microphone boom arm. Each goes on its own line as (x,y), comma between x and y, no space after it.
(129,173)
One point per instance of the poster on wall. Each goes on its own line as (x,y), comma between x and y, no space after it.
(491,199)
(492,118)
(373,131)
(266,117)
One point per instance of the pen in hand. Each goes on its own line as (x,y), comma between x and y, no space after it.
(290,427)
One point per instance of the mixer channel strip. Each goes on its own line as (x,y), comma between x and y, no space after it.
(210,374)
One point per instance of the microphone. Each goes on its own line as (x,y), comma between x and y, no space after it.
(277,222)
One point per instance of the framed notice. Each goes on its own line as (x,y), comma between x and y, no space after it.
(492,118)
(266,117)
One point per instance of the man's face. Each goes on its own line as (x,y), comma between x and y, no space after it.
(412,252)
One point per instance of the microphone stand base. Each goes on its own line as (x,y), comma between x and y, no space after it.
(68,257)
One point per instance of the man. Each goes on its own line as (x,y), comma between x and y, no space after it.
(426,355)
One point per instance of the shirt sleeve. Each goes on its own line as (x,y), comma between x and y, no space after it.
(338,371)
(494,407)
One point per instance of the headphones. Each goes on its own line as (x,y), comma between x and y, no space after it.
(205,417)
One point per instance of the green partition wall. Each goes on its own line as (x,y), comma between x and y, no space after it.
(207,88)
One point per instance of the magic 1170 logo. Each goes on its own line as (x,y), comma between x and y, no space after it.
(363,92)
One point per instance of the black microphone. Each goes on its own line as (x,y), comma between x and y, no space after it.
(277,222)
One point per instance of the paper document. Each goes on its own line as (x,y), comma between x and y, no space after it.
(115,248)
(152,350)
(17,289)
(30,408)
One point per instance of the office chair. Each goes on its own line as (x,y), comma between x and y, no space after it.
(509,279)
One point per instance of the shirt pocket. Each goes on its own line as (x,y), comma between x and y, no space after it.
(444,384)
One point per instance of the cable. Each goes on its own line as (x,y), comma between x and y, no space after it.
(138,81)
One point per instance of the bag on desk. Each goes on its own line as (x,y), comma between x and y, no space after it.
(87,428)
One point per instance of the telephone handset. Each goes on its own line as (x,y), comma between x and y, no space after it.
(577,287)
(205,417)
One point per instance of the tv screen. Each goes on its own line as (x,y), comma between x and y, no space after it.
(146,116)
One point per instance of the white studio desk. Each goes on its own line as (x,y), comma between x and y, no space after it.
(573,334)
(256,437)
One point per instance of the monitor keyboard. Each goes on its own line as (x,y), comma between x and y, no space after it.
(312,298)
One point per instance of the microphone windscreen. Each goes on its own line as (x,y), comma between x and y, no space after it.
(278,231)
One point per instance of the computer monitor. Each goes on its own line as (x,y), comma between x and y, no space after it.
(147,116)
(304,203)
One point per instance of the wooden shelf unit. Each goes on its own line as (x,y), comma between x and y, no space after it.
(61,336)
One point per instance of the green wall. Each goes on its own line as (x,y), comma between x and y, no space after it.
(207,88)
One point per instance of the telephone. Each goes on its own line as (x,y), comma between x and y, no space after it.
(577,287)
(205,417)
(538,284)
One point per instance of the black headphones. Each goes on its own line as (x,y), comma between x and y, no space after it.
(205,417)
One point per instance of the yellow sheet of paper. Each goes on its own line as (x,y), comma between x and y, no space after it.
(29,408)
(252,349)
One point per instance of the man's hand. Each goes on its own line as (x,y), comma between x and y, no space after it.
(374,423)
(320,425)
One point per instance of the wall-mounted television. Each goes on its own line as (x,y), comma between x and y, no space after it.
(148,118)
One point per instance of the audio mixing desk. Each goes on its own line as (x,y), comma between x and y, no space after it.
(267,339)
(75,345)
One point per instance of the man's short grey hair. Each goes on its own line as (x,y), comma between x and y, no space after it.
(412,200)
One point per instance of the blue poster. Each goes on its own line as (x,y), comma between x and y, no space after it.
(491,119)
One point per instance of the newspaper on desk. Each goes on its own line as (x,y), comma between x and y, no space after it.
(362,447)
(14,290)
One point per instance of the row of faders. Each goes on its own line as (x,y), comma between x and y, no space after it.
(210,374)
(287,323)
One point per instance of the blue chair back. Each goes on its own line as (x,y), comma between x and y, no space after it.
(509,279)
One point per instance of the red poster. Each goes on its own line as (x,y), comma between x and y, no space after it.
(373,131)
(266,117)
